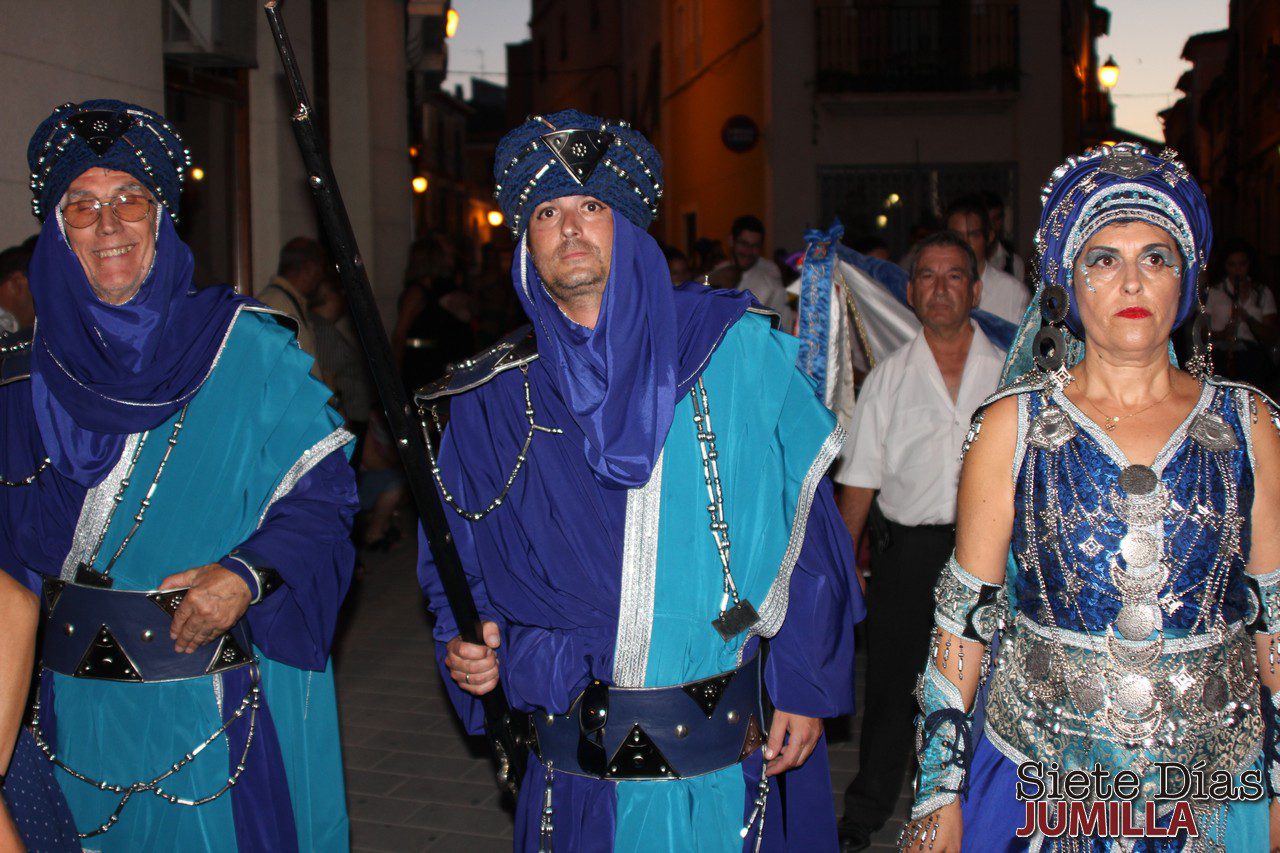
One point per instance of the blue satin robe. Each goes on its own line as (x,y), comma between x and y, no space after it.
(259,465)
(552,567)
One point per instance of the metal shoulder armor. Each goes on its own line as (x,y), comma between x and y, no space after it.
(15,356)
(515,350)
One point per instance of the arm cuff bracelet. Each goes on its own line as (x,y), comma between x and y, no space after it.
(944,743)
(968,607)
(1264,603)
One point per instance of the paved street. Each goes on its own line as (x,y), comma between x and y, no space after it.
(414,782)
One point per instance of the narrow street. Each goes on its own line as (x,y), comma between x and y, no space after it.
(414,781)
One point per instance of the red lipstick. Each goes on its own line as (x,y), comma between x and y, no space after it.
(1134,313)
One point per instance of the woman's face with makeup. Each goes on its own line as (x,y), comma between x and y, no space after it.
(1127,283)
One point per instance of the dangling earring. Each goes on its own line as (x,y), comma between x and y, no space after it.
(1200,365)
(1049,349)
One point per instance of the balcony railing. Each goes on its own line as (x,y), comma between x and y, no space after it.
(938,46)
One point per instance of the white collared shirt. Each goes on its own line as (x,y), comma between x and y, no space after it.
(1003,295)
(764,280)
(906,434)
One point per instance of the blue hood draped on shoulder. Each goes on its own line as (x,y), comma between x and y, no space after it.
(622,379)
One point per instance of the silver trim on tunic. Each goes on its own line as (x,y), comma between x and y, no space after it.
(639,576)
(773,610)
(308,460)
(96,510)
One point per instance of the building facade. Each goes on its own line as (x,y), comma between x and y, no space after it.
(1228,124)
(876,111)
(211,66)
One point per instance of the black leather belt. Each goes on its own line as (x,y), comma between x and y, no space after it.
(656,733)
(123,635)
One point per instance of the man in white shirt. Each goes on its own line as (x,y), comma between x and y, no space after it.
(1002,294)
(905,440)
(1243,320)
(760,275)
(1001,254)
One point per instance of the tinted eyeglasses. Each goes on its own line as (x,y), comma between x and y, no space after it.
(86,211)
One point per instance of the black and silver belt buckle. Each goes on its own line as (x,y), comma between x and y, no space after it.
(593,715)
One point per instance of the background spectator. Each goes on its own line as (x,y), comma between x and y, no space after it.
(1002,294)
(1000,253)
(1242,319)
(17,310)
(303,263)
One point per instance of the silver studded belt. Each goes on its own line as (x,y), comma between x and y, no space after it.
(123,635)
(1077,699)
(656,733)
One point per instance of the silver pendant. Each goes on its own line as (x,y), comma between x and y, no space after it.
(1211,432)
(1088,692)
(1051,429)
(1138,480)
(1137,621)
(1134,693)
(1214,697)
(1139,548)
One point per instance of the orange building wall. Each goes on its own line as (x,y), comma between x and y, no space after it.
(706,81)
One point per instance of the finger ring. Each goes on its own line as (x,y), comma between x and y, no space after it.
(467,677)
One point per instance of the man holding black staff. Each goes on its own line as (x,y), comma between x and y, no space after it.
(627,554)
(175,517)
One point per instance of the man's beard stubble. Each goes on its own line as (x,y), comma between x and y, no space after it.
(565,289)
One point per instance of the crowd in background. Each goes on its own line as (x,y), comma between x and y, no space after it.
(454,302)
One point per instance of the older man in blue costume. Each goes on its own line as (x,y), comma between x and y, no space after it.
(640,502)
(175,517)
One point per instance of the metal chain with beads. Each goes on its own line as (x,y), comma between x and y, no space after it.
(521,457)
(546,823)
(146,499)
(759,806)
(249,704)
(29,479)
(715,492)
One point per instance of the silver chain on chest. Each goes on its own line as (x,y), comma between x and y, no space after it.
(87,565)
(715,492)
(521,457)
(733,618)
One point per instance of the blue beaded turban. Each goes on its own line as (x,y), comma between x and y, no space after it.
(1120,183)
(572,153)
(105,134)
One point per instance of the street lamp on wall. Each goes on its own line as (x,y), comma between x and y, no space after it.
(1109,74)
(494,218)
(419,184)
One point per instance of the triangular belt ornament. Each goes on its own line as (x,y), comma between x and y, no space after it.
(753,740)
(229,655)
(640,758)
(52,592)
(578,150)
(168,601)
(707,692)
(106,659)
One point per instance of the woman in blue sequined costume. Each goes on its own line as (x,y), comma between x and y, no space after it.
(1113,600)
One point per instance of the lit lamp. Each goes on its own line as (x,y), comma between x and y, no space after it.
(197,174)
(1109,74)
(495,218)
(419,184)
(450,23)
